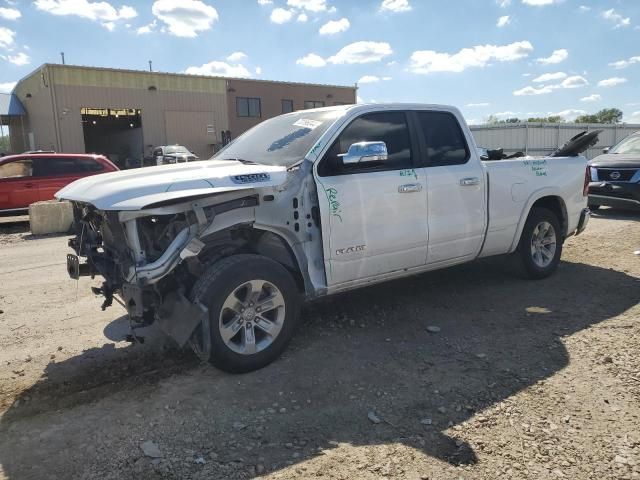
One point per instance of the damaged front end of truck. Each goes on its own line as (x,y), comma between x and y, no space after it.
(151,256)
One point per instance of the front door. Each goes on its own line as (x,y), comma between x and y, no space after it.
(456,186)
(374,214)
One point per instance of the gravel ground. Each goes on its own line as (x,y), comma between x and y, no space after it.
(469,373)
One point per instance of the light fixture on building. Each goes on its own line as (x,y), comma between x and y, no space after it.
(28,95)
(94,122)
(131,125)
(152,88)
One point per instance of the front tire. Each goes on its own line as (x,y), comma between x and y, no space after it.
(540,244)
(254,305)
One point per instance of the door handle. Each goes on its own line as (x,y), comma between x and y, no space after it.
(410,187)
(469,182)
(28,185)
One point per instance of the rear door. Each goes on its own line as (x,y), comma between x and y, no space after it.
(53,173)
(456,188)
(18,189)
(374,215)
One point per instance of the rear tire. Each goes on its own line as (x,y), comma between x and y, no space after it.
(540,245)
(254,306)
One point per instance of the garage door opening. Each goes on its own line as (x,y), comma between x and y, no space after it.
(115,133)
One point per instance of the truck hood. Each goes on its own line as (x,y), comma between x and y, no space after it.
(616,160)
(139,188)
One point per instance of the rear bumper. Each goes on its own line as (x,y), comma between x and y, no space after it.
(585,215)
(621,195)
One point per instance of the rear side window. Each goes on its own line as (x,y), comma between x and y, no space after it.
(444,139)
(17,169)
(65,166)
(388,127)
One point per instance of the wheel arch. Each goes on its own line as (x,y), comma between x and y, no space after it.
(549,199)
(260,240)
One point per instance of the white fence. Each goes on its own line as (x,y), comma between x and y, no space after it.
(544,138)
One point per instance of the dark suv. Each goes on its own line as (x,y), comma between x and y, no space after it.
(615,175)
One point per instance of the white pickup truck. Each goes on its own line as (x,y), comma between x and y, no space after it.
(222,252)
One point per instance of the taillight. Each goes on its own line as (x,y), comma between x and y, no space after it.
(587,178)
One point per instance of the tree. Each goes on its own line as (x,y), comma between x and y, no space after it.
(606,115)
(551,119)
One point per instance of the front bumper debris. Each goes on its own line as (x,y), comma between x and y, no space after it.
(619,194)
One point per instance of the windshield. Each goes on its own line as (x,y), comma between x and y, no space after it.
(281,141)
(176,149)
(628,145)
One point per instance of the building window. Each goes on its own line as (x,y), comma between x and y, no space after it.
(287,106)
(313,104)
(248,107)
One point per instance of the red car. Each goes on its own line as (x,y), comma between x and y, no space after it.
(32,177)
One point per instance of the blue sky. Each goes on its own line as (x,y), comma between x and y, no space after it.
(504,57)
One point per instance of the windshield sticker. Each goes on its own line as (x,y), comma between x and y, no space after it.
(306,123)
(315,148)
(539,167)
(334,204)
(288,139)
(409,172)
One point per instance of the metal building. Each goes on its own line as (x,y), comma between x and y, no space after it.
(544,138)
(124,114)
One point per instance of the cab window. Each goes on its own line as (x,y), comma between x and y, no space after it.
(388,127)
(445,143)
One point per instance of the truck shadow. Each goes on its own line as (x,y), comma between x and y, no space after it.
(357,354)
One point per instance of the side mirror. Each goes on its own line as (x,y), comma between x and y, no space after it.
(363,152)
(606,149)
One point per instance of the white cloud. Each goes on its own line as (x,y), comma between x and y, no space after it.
(591,98)
(617,19)
(6,37)
(185,18)
(575,81)
(503,21)
(103,12)
(395,6)
(265,2)
(302,18)
(503,3)
(533,91)
(147,28)
(633,118)
(6,87)
(334,26)
(19,59)
(311,5)
(258,70)
(373,79)
(219,69)
(620,64)
(584,8)
(281,15)
(549,77)
(361,52)
(612,82)
(428,61)
(557,56)
(540,3)
(237,56)
(480,104)
(569,115)
(9,13)
(312,60)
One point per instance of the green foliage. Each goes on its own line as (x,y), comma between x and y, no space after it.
(606,115)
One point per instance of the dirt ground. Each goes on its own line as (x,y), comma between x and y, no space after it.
(521,379)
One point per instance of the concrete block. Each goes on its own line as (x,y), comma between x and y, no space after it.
(50,217)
